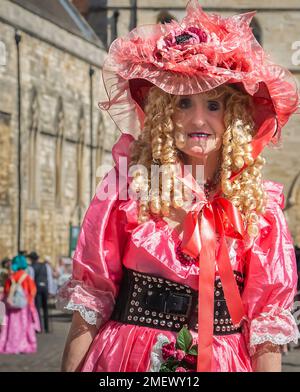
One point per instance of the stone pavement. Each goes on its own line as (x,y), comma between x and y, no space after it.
(291,361)
(50,348)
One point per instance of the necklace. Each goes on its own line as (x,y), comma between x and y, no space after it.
(184,258)
(211,184)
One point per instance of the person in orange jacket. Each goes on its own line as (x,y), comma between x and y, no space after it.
(21,321)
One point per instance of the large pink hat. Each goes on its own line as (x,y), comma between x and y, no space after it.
(200,53)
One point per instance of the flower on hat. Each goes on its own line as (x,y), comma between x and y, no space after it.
(179,44)
(201,43)
(180,38)
(218,43)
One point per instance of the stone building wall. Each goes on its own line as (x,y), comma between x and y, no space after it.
(54,79)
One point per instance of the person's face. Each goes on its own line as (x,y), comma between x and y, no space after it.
(202,125)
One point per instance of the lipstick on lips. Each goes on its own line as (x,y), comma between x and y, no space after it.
(198,135)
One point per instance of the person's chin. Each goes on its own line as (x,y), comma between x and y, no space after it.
(197,152)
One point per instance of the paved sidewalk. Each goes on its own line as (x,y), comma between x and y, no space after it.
(50,348)
(291,361)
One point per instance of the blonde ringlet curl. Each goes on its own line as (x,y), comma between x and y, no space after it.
(156,145)
(246,190)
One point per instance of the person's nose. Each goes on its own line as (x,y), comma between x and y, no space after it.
(199,116)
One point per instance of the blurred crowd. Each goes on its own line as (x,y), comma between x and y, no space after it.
(27,284)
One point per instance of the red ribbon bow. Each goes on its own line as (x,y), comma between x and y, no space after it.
(217,217)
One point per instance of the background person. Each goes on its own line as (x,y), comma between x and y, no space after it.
(41,280)
(18,332)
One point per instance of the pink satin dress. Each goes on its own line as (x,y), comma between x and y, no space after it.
(110,237)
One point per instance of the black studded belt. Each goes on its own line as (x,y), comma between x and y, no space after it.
(155,302)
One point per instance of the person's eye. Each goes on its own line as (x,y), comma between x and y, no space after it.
(213,105)
(185,103)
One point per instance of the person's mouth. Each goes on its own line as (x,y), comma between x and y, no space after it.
(199,135)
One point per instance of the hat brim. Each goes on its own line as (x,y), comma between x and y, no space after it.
(131,69)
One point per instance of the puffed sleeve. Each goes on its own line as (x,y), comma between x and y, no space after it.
(97,261)
(271,278)
(97,264)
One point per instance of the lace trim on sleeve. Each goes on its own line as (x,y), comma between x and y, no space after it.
(94,306)
(90,316)
(277,326)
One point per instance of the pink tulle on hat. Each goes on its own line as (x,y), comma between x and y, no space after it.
(201,53)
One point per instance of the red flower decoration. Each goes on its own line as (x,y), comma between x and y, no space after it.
(180,356)
(179,44)
(190,359)
(180,369)
(168,350)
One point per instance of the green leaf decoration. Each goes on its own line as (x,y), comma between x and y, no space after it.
(184,340)
(193,350)
(164,368)
(170,365)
